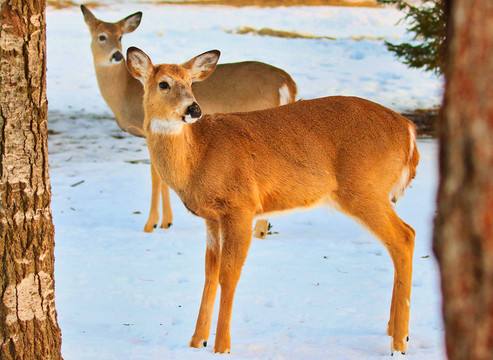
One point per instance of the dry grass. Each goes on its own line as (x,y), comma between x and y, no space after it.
(243,30)
(277,33)
(274,3)
(60,4)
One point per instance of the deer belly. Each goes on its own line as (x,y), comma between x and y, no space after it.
(325,201)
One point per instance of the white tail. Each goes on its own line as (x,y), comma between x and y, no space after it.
(243,86)
(343,152)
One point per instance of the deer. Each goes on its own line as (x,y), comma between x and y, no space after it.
(347,153)
(233,87)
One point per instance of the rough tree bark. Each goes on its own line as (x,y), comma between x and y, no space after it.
(463,238)
(28,320)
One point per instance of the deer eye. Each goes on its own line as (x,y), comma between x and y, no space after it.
(164,85)
(120,39)
(102,38)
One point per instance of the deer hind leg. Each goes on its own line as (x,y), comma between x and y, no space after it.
(397,315)
(398,237)
(261,228)
(154,212)
(401,253)
(236,233)
(393,318)
(212,261)
(390,324)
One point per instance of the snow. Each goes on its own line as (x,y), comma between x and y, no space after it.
(319,289)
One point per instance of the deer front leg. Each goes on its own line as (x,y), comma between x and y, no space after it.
(154,212)
(167,212)
(236,232)
(261,228)
(212,261)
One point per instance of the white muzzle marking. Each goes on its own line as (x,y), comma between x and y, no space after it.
(189,119)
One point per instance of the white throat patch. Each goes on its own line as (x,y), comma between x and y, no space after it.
(169,127)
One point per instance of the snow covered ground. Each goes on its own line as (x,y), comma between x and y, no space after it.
(319,289)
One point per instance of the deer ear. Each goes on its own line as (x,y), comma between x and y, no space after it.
(89,17)
(201,66)
(131,22)
(139,64)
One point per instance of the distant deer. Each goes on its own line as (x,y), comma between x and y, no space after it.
(243,86)
(344,152)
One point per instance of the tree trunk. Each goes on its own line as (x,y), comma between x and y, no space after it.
(463,238)
(28,320)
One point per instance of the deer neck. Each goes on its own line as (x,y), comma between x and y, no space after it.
(175,156)
(123,94)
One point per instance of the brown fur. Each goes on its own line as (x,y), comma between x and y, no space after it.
(345,152)
(242,86)
(314,158)
(126,105)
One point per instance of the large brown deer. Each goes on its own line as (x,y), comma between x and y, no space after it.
(344,152)
(233,87)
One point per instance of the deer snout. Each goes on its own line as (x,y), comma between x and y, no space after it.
(194,111)
(117,57)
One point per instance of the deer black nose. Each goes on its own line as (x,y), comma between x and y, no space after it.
(117,56)
(194,110)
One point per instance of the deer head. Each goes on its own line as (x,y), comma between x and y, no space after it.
(169,102)
(106,42)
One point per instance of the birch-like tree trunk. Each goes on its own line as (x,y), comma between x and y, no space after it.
(463,239)
(28,319)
